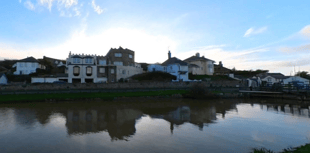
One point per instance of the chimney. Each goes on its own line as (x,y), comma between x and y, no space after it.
(220,64)
(197,55)
(169,54)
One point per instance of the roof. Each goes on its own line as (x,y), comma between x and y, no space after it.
(174,60)
(196,58)
(274,75)
(29,59)
(192,65)
(119,49)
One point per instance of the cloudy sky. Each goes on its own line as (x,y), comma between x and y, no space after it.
(245,34)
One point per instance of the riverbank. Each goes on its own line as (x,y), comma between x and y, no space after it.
(55,97)
(301,149)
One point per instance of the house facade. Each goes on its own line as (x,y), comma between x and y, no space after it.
(156,68)
(3,79)
(27,66)
(271,78)
(206,66)
(117,64)
(176,67)
(291,79)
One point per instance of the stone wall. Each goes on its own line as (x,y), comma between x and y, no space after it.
(129,85)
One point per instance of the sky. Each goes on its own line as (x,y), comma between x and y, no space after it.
(243,34)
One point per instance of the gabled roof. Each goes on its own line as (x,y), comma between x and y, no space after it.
(29,59)
(274,75)
(196,58)
(174,60)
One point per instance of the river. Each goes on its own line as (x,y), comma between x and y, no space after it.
(154,125)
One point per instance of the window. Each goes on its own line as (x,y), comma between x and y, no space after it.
(89,71)
(21,64)
(88,60)
(130,56)
(124,71)
(102,62)
(76,71)
(118,54)
(118,63)
(101,70)
(112,71)
(33,64)
(269,79)
(76,60)
(26,64)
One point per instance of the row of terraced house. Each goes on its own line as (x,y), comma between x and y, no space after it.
(118,63)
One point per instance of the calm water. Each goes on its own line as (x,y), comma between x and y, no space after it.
(153,126)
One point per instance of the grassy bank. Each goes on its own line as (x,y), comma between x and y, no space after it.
(301,149)
(72,96)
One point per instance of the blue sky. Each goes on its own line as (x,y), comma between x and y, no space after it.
(252,34)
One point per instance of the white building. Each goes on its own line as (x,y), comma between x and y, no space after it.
(83,68)
(290,79)
(3,79)
(156,68)
(176,67)
(27,66)
(271,78)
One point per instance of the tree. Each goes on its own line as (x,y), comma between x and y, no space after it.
(303,74)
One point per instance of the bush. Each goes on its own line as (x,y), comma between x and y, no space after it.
(199,91)
(154,76)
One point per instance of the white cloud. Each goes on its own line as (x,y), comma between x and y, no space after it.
(97,8)
(20,1)
(305,31)
(65,7)
(302,48)
(29,5)
(148,48)
(254,31)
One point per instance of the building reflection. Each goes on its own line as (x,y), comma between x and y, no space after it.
(200,115)
(119,121)
(120,124)
(288,109)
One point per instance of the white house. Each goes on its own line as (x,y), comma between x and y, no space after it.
(295,78)
(176,67)
(83,68)
(3,79)
(156,67)
(271,78)
(27,66)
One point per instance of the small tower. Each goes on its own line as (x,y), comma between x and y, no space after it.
(197,55)
(169,54)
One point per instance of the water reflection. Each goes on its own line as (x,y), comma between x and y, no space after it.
(205,123)
(119,123)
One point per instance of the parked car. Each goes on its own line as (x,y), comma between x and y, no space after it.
(59,82)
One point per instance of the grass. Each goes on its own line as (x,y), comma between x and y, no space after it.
(212,77)
(64,96)
(301,149)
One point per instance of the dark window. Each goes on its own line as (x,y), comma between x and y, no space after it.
(76,71)
(89,71)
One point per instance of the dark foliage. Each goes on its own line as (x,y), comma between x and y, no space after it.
(249,73)
(154,76)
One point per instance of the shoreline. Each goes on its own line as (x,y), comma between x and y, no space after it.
(138,95)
